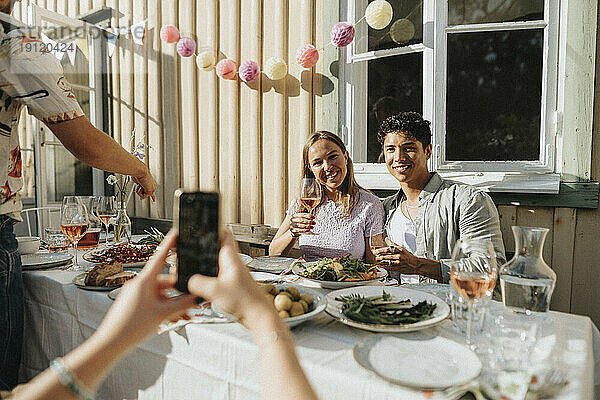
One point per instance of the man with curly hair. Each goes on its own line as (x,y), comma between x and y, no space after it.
(426,217)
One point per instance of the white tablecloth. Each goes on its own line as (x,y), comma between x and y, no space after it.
(219,361)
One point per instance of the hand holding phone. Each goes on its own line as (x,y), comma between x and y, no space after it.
(197,220)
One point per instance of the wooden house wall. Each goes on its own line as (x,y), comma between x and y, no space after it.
(246,139)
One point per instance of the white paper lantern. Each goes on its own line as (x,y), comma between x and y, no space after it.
(379,14)
(205,60)
(275,68)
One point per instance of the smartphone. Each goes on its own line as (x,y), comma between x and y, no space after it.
(196,215)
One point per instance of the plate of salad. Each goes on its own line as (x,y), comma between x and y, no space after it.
(338,272)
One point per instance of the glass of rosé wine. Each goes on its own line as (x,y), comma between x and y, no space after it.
(473,272)
(310,196)
(74,222)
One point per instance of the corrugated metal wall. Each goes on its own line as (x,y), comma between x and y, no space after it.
(246,139)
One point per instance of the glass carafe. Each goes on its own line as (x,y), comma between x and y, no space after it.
(526,281)
(122,225)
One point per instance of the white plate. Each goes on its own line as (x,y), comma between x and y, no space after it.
(418,360)
(318,306)
(265,276)
(114,293)
(79,281)
(441,312)
(299,266)
(168,292)
(44,260)
(246,259)
(272,264)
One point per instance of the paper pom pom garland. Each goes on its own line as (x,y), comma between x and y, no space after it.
(275,68)
(205,60)
(169,34)
(307,56)
(379,14)
(226,69)
(186,47)
(249,71)
(342,34)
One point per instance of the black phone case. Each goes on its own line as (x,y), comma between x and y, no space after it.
(198,238)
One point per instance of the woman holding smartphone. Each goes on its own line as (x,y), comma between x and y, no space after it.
(333,216)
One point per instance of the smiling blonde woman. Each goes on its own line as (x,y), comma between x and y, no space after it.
(346,216)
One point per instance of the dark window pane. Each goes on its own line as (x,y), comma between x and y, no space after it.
(494,96)
(72,177)
(395,84)
(405,28)
(461,12)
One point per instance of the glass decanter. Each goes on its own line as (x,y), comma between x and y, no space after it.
(526,281)
(122,224)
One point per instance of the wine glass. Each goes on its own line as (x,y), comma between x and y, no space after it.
(106,208)
(375,243)
(310,196)
(74,222)
(473,272)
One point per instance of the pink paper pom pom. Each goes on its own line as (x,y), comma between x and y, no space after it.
(186,47)
(169,34)
(342,34)
(307,56)
(249,71)
(226,69)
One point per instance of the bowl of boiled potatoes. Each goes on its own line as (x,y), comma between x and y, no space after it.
(295,304)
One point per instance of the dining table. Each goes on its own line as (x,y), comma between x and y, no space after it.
(219,360)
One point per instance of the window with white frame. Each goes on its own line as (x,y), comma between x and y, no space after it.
(484,72)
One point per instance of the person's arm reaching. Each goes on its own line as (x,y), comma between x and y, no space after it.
(139,309)
(97,149)
(36,79)
(235,292)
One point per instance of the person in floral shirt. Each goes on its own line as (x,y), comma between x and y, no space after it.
(33,78)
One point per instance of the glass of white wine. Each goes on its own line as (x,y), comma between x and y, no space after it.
(310,196)
(473,272)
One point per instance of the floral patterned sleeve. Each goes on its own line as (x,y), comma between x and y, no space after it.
(36,79)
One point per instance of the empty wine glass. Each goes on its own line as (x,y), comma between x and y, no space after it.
(74,222)
(473,271)
(106,208)
(310,196)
